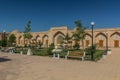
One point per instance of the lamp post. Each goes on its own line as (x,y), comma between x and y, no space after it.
(106,42)
(92,51)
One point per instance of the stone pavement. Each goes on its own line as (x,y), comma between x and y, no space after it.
(23,67)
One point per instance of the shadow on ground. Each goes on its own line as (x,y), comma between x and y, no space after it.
(4,59)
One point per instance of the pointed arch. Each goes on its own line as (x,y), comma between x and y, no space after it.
(45,35)
(38,38)
(115,39)
(88,34)
(59,32)
(58,37)
(20,40)
(88,38)
(45,40)
(115,33)
(101,39)
(100,33)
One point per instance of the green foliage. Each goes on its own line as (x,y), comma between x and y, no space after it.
(3,43)
(89,49)
(39,44)
(76,46)
(0,42)
(79,33)
(27,31)
(97,53)
(67,37)
(78,23)
(51,47)
(27,28)
(27,35)
(47,51)
(12,39)
(40,52)
(19,49)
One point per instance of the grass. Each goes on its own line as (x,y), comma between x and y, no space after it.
(40,52)
(98,55)
(46,52)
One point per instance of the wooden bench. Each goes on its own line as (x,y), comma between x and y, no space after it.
(75,54)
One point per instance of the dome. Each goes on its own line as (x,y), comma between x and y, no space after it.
(15,32)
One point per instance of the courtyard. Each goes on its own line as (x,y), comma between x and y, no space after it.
(23,67)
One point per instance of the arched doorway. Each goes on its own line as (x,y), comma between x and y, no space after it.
(21,40)
(115,39)
(38,39)
(87,40)
(58,38)
(101,40)
(45,40)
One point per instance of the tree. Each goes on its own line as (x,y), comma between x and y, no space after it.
(27,34)
(39,44)
(12,39)
(79,33)
(67,39)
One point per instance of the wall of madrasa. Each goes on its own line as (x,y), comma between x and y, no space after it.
(56,35)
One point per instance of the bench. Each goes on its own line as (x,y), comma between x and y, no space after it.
(75,54)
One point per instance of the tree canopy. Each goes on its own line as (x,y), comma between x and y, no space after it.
(12,39)
(79,33)
(27,31)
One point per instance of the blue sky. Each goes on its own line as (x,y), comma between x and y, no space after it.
(44,14)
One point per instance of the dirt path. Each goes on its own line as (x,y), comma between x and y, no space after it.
(22,67)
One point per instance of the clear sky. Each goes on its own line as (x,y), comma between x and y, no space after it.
(44,14)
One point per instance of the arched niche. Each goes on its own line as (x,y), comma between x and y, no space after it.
(115,39)
(101,39)
(45,40)
(88,39)
(58,38)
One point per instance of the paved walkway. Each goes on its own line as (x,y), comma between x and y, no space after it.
(23,67)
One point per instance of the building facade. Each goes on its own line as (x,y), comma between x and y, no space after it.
(56,35)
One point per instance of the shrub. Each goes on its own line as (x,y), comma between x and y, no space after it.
(97,53)
(40,52)
(89,49)
(49,50)
(76,46)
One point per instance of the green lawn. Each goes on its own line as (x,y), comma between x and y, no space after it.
(47,52)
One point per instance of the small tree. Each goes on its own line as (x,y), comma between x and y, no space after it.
(51,47)
(79,33)
(67,39)
(27,34)
(12,39)
(39,44)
